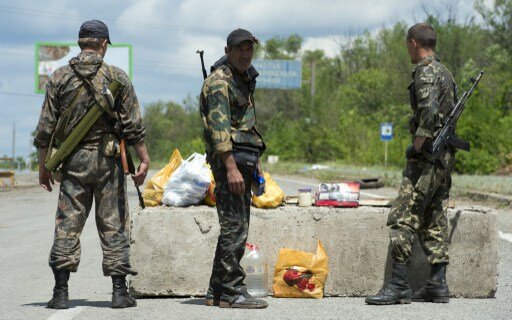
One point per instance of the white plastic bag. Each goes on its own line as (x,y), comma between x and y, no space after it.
(189,183)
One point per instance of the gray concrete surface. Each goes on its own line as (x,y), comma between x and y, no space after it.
(26,231)
(173,248)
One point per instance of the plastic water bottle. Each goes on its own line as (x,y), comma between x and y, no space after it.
(256,271)
(258,184)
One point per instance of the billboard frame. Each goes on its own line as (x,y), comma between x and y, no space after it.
(74,44)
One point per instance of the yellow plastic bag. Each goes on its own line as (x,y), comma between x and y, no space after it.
(209,198)
(154,190)
(300,274)
(273,196)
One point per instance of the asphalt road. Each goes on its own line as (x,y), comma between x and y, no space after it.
(26,230)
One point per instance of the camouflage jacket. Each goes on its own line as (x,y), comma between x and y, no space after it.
(228,111)
(65,84)
(433,94)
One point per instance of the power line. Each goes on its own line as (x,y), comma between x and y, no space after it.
(18,53)
(20,94)
(49,14)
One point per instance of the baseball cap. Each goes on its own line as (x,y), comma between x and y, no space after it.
(237,36)
(94,29)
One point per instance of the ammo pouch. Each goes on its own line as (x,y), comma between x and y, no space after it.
(110,145)
(246,157)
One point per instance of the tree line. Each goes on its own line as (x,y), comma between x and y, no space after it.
(363,86)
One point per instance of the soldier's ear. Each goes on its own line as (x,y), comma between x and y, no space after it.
(414,43)
(227,50)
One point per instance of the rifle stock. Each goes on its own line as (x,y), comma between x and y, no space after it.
(124,160)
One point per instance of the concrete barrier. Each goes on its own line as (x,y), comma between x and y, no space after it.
(173,248)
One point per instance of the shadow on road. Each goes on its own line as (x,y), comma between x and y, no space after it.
(199,301)
(74,303)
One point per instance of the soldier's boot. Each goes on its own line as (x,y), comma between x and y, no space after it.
(436,290)
(244,301)
(212,299)
(60,299)
(120,296)
(397,291)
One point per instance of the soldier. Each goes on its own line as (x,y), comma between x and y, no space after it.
(229,120)
(421,205)
(90,171)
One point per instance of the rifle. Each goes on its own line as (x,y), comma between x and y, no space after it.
(126,157)
(201,53)
(447,135)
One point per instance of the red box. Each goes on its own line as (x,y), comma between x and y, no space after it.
(337,194)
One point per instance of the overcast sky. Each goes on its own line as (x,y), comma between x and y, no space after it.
(165,36)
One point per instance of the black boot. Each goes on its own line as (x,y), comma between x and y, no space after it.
(120,296)
(60,299)
(397,291)
(212,298)
(436,290)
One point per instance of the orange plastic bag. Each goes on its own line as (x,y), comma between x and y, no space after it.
(154,190)
(209,198)
(273,196)
(300,274)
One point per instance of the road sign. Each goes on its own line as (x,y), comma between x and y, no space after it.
(278,74)
(386,131)
(52,55)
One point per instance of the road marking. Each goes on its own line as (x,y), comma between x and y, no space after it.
(505,236)
(67,314)
(297,181)
(300,182)
(371,195)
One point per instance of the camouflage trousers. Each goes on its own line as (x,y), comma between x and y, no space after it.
(420,211)
(88,175)
(227,279)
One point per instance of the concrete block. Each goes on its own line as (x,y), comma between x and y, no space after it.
(173,248)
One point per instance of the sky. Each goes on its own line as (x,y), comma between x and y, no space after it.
(165,36)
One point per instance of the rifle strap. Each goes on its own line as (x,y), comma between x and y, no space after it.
(100,100)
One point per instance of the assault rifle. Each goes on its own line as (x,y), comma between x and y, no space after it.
(447,135)
(201,53)
(126,158)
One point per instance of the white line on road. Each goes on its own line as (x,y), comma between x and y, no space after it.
(300,182)
(66,314)
(371,195)
(505,236)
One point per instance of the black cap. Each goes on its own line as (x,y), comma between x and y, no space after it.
(238,36)
(94,29)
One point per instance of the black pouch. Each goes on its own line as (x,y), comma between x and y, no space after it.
(246,157)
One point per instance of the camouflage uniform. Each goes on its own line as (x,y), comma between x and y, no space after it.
(87,173)
(420,208)
(228,115)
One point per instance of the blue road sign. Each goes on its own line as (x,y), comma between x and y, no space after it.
(278,74)
(386,131)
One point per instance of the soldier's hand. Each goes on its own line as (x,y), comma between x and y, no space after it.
(260,171)
(236,181)
(45,179)
(411,152)
(142,171)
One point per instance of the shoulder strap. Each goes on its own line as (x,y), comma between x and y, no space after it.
(99,99)
(63,121)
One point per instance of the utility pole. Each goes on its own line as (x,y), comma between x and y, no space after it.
(14,142)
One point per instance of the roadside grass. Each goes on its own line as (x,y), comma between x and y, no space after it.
(462,186)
